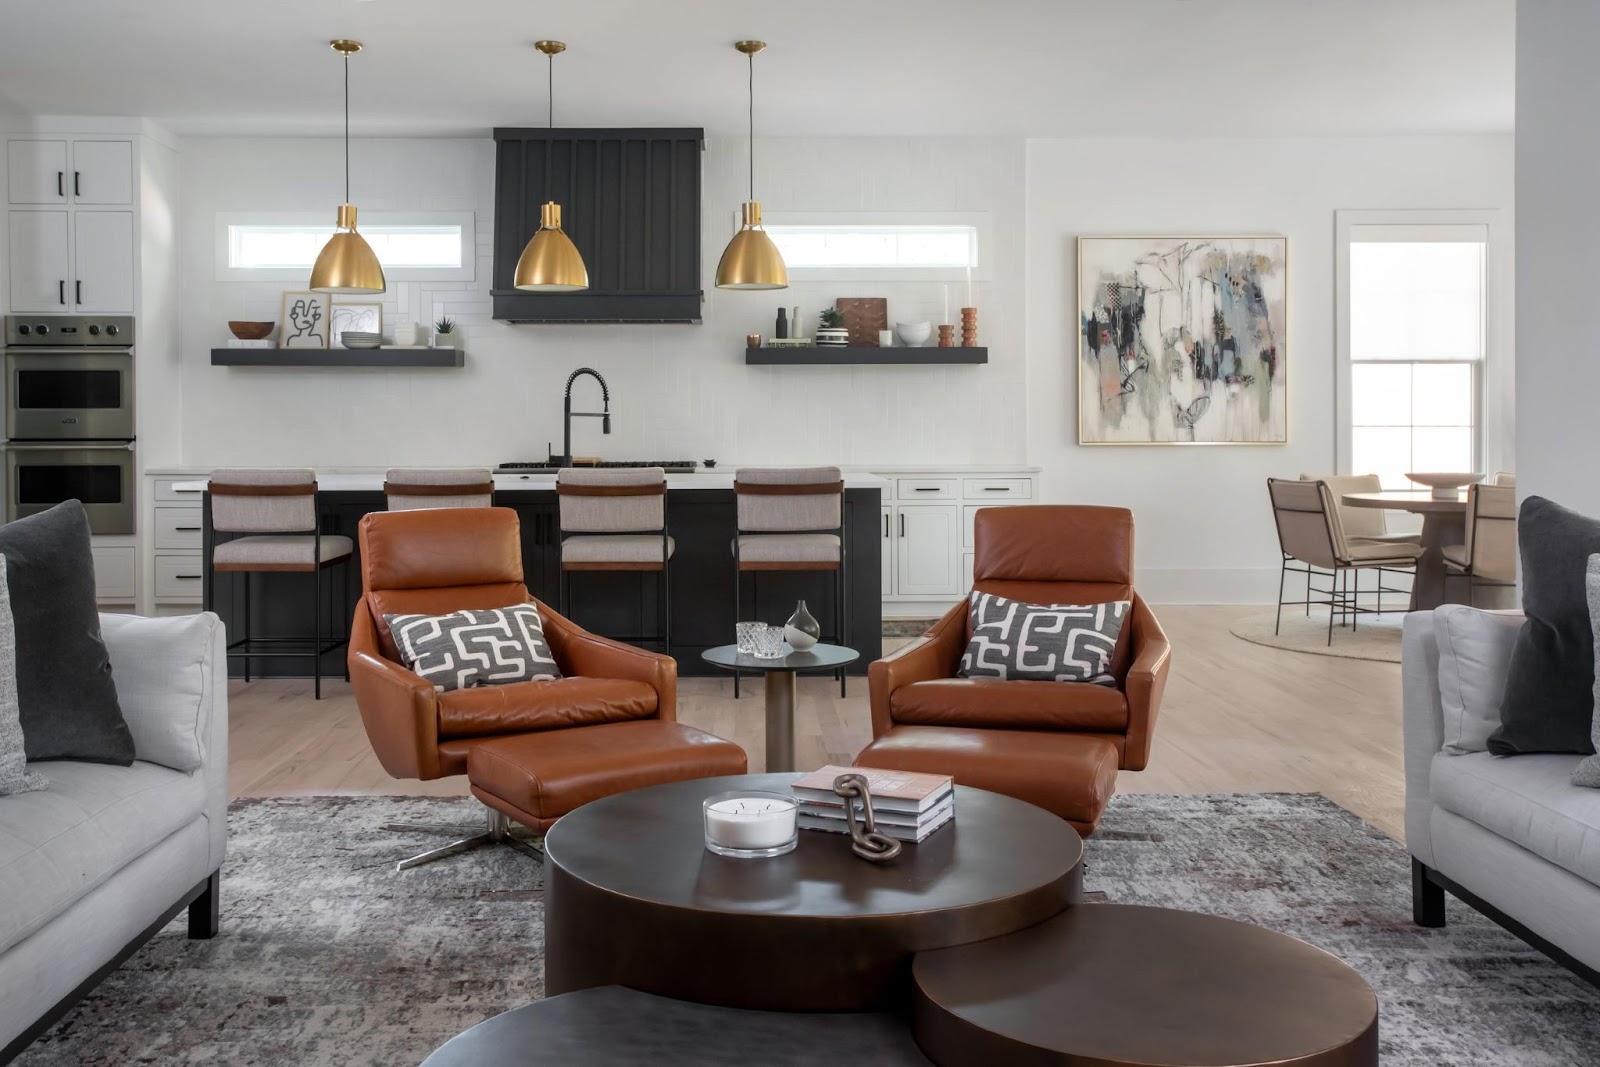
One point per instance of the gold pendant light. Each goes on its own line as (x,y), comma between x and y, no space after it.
(551,263)
(347,263)
(751,260)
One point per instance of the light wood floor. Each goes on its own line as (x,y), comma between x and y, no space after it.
(1237,718)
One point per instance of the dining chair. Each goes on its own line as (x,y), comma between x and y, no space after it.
(416,488)
(1489,556)
(1360,523)
(274,518)
(1503,478)
(1311,533)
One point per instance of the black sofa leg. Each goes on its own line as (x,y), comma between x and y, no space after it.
(205,911)
(1427,897)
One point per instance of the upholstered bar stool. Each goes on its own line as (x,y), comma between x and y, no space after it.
(615,519)
(274,515)
(413,488)
(790,519)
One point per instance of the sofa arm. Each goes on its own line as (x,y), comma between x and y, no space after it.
(171,681)
(1145,683)
(592,656)
(398,708)
(1423,721)
(936,654)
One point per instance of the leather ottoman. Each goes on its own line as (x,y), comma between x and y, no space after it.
(535,778)
(1073,775)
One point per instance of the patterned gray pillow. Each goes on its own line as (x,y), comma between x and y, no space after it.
(1014,641)
(492,646)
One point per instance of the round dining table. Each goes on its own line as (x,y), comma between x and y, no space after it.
(1444,522)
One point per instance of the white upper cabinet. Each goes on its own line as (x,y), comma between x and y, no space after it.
(103,261)
(41,261)
(37,172)
(102,172)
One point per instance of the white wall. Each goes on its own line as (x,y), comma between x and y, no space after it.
(1205,531)
(677,391)
(1558,231)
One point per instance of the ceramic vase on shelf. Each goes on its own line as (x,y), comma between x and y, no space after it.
(802,631)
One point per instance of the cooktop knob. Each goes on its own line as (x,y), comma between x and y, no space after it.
(113,329)
(41,329)
(24,329)
(94,331)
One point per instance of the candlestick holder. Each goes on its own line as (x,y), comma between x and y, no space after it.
(969,327)
(947,336)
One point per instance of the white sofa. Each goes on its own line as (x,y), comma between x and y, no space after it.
(1512,836)
(96,864)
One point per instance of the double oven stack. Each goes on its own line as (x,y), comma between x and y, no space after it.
(69,417)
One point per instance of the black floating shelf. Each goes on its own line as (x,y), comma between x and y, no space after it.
(336,357)
(862,354)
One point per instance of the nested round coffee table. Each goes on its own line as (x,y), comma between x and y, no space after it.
(1112,984)
(634,898)
(780,674)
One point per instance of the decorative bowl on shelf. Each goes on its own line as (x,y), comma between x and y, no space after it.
(251,331)
(360,339)
(1445,486)
(913,334)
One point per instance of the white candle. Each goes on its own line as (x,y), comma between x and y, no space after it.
(753,822)
(946,290)
(969,285)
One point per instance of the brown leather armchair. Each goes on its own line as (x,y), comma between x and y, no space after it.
(1055,744)
(438,561)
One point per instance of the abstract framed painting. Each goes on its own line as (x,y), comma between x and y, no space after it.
(304,321)
(1183,340)
(361,317)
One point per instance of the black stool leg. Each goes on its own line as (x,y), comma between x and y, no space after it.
(344,611)
(245,577)
(316,626)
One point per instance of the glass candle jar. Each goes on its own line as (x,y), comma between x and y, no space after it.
(744,635)
(750,824)
(767,643)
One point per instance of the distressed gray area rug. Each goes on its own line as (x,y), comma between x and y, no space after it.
(329,959)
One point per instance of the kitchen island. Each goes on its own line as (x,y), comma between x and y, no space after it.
(700,519)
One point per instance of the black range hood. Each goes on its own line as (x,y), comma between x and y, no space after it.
(630,201)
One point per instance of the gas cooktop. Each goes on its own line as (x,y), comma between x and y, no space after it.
(672,466)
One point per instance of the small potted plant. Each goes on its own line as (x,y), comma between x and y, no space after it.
(444,333)
(831,333)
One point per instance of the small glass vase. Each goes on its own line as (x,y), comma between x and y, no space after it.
(802,631)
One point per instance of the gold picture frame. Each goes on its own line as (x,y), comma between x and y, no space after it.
(1203,366)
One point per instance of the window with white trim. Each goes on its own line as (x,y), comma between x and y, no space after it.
(939,246)
(422,246)
(1415,323)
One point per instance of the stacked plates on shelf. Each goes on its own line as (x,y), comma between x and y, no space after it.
(360,339)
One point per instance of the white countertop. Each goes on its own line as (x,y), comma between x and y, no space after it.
(372,481)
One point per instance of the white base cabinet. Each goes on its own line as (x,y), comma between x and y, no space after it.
(179,575)
(927,532)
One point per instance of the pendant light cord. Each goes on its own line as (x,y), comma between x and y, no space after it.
(550,68)
(752,98)
(347,127)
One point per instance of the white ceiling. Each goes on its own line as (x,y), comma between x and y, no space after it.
(1045,68)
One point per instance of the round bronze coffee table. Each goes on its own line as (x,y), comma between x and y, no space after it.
(634,898)
(1112,984)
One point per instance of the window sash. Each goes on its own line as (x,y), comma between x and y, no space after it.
(306,233)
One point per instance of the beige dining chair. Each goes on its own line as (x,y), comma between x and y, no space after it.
(1360,523)
(1489,556)
(1503,478)
(1311,533)
(416,488)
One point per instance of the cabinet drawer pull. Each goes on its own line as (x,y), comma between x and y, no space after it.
(76,179)
(187,577)
(186,529)
(902,524)
(886,526)
(60,189)
(926,488)
(61,292)
(997,489)
(77,291)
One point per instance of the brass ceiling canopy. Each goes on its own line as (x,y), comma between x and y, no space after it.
(751,260)
(550,263)
(347,263)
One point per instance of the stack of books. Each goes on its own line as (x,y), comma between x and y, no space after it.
(907,806)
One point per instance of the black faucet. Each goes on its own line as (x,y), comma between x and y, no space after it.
(565,459)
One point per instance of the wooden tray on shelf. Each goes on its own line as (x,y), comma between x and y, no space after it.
(864,316)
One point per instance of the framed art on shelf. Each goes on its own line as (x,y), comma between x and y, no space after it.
(365,318)
(1183,340)
(304,321)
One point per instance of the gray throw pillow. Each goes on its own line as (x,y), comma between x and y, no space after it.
(1474,655)
(1587,773)
(64,687)
(493,646)
(1549,699)
(14,774)
(1014,641)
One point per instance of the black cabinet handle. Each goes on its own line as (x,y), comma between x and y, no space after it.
(902,524)
(61,291)
(61,189)
(188,577)
(76,191)
(77,291)
(927,488)
(997,489)
(886,525)
(186,529)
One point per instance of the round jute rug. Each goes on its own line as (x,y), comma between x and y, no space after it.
(1377,637)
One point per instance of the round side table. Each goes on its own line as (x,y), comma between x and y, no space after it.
(780,674)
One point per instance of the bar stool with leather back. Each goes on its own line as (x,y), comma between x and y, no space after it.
(414,488)
(534,750)
(1051,743)
(615,519)
(791,519)
(275,522)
